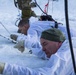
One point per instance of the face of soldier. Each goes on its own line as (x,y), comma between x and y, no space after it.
(24,29)
(49,47)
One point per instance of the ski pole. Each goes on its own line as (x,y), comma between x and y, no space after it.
(8,38)
(5,27)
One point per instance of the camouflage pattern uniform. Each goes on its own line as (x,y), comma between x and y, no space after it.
(25,6)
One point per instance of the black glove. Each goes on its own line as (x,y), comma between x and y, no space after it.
(13,36)
(1,67)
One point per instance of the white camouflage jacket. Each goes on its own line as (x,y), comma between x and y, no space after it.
(32,40)
(59,63)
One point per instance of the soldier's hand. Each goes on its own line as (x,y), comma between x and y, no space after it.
(20,45)
(1,67)
(13,36)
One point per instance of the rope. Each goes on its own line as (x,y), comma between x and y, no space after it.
(40,7)
(5,27)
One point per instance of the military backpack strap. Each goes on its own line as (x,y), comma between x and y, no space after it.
(18,4)
(56,24)
(15,2)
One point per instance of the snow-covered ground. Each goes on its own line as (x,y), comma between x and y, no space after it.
(8,15)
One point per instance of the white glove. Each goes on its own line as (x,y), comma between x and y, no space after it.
(13,36)
(20,45)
